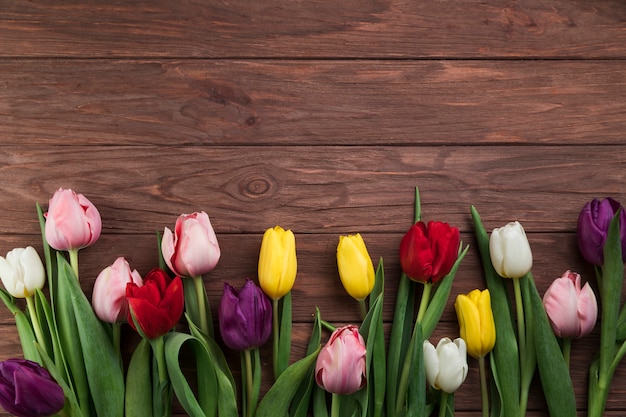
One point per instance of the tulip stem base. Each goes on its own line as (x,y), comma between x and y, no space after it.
(202,308)
(74,261)
(249,383)
(275,335)
(443,404)
(482,369)
(32,311)
(566,349)
(521,327)
(363,308)
(334,406)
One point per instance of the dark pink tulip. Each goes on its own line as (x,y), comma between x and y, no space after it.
(28,390)
(245,317)
(340,366)
(593,226)
(572,311)
(72,221)
(192,249)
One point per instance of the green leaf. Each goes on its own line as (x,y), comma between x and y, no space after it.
(192,308)
(302,398)
(553,370)
(416,396)
(284,341)
(58,376)
(279,397)
(440,298)
(505,352)
(138,399)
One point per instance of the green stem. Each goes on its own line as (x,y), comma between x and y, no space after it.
(30,303)
(483,385)
(74,261)
(334,407)
(443,404)
(567,349)
(116,329)
(249,384)
(327,325)
(158,348)
(363,309)
(199,287)
(521,332)
(276,335)
(406,367)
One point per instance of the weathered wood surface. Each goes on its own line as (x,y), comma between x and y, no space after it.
(322,117)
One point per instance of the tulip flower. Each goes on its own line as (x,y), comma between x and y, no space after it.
(340,366)
(28,390)
(428,252)
(156,306)
(572,310)
(510,251)
(109,291)
(277,262)
(22,272)
(593,226)
(192,249)
(72,221)
(245,317)
(476,322)
(355,266)
(446,365)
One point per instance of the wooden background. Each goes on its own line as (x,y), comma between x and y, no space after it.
(322,117)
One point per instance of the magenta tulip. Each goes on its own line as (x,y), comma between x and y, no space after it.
(572,311)
(192,249)
(593,226)
(28,390)
(245,317)
(109,291)
(340,366)
(72,221)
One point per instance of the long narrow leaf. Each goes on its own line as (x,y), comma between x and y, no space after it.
(284,341)
(302,398)
(138,399)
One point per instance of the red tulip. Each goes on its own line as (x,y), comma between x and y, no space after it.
(340,366)
(72,221)
(109,291)
(156,306)
(427,253)
(192,250)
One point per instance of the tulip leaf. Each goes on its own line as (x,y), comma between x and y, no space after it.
(505,352)
(277,400)
(57,353)
(58,376)
(102,365)
(440,298)
(496,391)
(553,370)
(416,396)
(138,399)
(320,408)
(284,338)
(300,407)
(192,305)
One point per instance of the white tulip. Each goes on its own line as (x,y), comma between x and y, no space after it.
(446,365)
(22,272)
(510,252)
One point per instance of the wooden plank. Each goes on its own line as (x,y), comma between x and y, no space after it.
(283,28)
(364,102)
(313,189)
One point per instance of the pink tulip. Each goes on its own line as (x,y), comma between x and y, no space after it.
(572,311)
(340,366)
(72,221)
(109,291)
(192,250)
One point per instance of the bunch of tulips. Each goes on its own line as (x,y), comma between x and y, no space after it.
(72,364)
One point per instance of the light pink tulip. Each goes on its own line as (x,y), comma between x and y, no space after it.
(109,291)
(572,311)
(72,221)
(192,250)
(340,366)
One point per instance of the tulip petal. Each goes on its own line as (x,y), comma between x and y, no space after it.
(587,310)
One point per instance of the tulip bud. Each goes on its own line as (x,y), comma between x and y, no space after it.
(340,366)
(109,291)
(572,311)
(355,266)
(245,317)
(157,305)
(427,253)
(72,221)
(478,329)
(28,390)
(593,226)
(192,250)
(22,272)
(446,365)
(277,262)
(510,251)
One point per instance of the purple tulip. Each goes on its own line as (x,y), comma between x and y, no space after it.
(28,390)
(593,226)
(245,317)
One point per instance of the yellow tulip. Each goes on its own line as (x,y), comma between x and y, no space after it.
(355,266)
(476,321)
(277,262)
